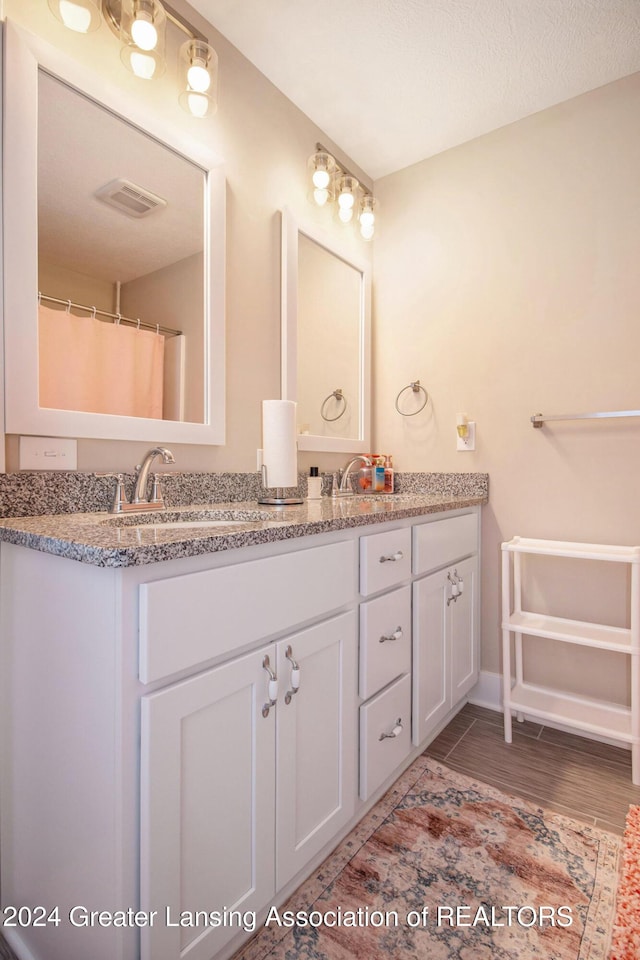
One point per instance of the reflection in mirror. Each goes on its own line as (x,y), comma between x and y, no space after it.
(121,230)
(149,289)
(329,294)
(325,333)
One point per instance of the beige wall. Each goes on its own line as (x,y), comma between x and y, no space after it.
(506,278)
(264,142)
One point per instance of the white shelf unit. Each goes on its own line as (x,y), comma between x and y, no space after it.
(580,712)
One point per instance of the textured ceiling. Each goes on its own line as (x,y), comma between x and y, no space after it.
(395,81)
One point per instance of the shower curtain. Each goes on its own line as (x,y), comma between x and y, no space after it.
(89,365)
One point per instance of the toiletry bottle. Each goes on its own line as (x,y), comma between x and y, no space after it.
(378,475)
(314,485)
(364,479)
(388,474)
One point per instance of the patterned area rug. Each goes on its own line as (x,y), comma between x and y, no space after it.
(446,867)
(626,928)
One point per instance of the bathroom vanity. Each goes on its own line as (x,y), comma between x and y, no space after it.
(193,718)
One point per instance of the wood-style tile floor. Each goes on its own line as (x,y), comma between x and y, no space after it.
(580,778)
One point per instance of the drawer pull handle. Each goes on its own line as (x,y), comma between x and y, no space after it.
(295,676)
(392,557)
(397,730)
(272,691)
(396,635)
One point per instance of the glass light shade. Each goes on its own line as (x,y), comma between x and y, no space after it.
(142,31)
(322,166)
(347,193)
(367,215)
(198,69)
(82,16)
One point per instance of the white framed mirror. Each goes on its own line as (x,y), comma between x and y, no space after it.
(144,294)
(326,339)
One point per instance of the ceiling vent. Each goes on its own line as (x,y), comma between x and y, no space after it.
(129,198)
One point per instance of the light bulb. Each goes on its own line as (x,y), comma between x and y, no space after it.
(142,65)
(81,16)
(321,178)
(367,218)
(74,16)
(366,230)
(345,213)
(198,104)
(198,77)
(346,201)
(143,31)
(320,195)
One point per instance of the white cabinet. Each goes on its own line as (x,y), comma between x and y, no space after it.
(580,712)
(445,631)
(207,804)
(142,769)
(216,753)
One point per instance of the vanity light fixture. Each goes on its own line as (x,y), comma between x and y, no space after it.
(141,25)
(331,181)
(81,16)
(323,166)
(142,32)
(198,65)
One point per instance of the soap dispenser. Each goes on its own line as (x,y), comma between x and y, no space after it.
(314,485)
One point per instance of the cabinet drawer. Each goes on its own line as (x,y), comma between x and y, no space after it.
(187,620)
(380,757)
(385,640)
(441,542)
(385,559)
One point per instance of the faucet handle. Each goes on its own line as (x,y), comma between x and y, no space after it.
(120,496)
(156,489)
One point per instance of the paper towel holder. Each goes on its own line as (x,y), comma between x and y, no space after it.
(278,501)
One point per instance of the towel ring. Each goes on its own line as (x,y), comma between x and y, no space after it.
(416,387)
(339,395)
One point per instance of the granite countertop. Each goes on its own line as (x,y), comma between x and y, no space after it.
(105,540)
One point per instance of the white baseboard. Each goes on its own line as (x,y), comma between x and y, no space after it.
(487,691)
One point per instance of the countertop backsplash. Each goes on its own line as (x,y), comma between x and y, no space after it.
(38,493)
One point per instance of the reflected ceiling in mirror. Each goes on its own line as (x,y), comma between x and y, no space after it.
(326,294)
(68,137)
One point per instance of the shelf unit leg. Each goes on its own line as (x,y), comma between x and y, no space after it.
(506,647)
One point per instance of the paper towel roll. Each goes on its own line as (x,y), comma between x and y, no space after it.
(279,454)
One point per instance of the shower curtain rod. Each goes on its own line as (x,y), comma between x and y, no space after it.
(116,317)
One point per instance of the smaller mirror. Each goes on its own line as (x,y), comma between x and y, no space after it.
(326,302)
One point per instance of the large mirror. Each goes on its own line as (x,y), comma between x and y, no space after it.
(114,264)
(326,297)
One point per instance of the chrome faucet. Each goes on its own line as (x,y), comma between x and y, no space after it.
(344,490)
(142,478)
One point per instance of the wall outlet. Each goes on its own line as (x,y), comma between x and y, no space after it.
(48,453)
(469,443)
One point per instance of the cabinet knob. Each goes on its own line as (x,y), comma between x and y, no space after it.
(392,557)
(396,635)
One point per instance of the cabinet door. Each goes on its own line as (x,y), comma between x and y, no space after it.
(464,639)
(431,689)
(316,745)
(207,805)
